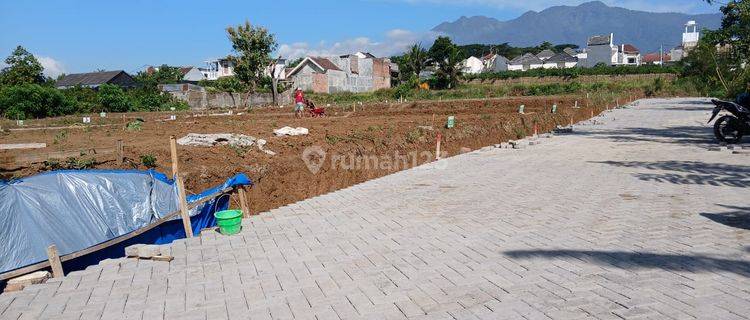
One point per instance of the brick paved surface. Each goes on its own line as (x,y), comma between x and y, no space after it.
(631,219)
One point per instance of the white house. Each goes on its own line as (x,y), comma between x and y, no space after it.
(560,61)
(495,63)
(601,49)
(525,62)
(472,65)
(691,35)
(628,55)
(217,68)
(278,69)
(191,74)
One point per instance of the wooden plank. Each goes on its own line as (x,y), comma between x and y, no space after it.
(173,151)
(243,201)
(15,146)
(180,188)
(111,242)
(54,262)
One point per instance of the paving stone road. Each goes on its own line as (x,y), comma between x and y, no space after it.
(634,218)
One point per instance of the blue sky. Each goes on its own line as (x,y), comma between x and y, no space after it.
(79,36)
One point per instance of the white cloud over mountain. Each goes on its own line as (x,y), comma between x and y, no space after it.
(394,42)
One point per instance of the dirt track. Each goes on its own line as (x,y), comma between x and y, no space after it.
(383,131)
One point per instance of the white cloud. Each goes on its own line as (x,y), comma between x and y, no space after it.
(52,67)
(394,42)
(537,5)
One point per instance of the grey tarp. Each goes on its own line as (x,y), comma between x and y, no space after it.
(77,209)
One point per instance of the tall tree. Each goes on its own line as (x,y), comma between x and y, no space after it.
(719,65)
(253,46)
(440,49)
(22,68)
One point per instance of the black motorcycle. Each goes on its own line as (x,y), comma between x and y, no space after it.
(730,128)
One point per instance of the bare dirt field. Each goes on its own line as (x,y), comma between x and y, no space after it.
(403,132)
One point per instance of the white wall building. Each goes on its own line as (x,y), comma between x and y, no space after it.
(217,68)
(472,65)
(691,35)
(628,55)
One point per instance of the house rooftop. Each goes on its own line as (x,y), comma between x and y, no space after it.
(628,48)
(545,54)
(655,57)
(528,58)
(562,57)
(325,63)
(600,40)
(89,79)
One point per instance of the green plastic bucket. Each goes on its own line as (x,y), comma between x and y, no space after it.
(229,221)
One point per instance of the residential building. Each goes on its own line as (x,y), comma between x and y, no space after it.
(96,79)
(545,54)
(691,35)
(570,51)
(472,65)
(217,68)
(601,49)
(628,55)
(656,58)
(495,63)
(525,62)
(191,74)
(279,69)
(358,72)
(560,61)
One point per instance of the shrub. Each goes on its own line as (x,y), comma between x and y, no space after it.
(148,160)
(33,101)
(113,98)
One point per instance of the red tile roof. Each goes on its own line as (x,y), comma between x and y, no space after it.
(325,63)
(629,48)
(654,57)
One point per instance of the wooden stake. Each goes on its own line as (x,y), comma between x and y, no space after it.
(536,130)
(173,151)
(243,201)
(54,262)
(180,189)
(437,146)
(119,151)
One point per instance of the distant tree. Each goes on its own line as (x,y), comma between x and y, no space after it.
(164,74)
(22,68)
(295,62)
(441,49)
(545,46)
(253,46)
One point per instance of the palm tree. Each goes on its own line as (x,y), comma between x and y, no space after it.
(450,71)
(416,58)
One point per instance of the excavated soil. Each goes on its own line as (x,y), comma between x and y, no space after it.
(376,140)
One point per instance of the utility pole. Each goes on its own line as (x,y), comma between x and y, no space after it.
(661,55)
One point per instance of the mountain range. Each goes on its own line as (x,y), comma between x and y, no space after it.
(574,24)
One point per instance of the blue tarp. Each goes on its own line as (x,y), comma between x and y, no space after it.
(77,209)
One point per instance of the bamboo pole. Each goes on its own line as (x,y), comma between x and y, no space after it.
(180,189)
(54,262)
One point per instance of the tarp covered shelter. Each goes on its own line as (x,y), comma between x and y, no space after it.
(77,209)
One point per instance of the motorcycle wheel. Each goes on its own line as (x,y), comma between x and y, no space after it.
(728,129)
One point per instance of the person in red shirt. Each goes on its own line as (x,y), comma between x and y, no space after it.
(299,100)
